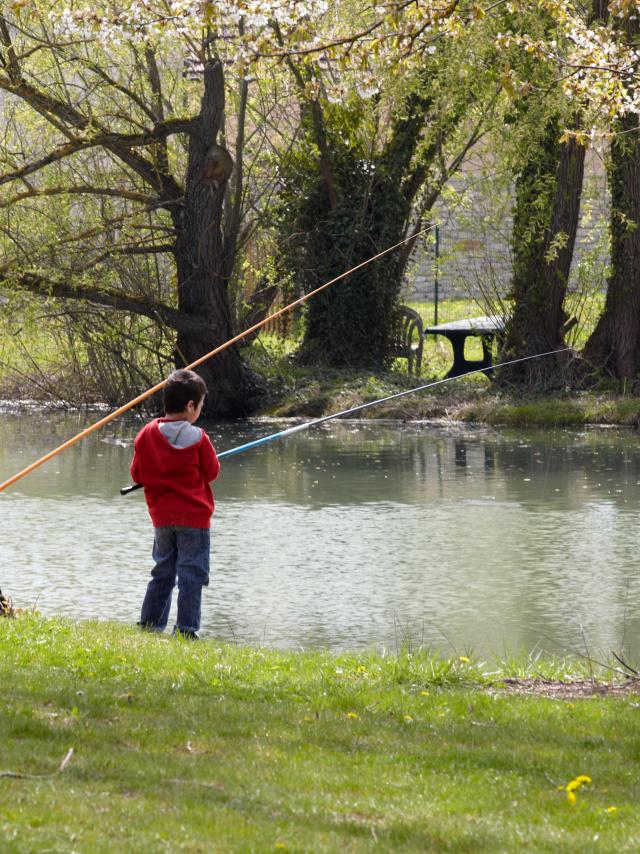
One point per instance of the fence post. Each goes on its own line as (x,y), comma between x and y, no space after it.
(436,283)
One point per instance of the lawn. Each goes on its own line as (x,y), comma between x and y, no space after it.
(437,351)
(202,747)
(270,351)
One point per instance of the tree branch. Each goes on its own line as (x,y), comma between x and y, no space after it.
(431,197)
(88,191)
(60,153)
(326,166)
(11,64)
(139,249)
(120,144)
(109,297)
(153,73)
(102,74)
(235,216)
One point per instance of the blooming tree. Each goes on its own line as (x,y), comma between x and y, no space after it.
(597,53)
(123,162)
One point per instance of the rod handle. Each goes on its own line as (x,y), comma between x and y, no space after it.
(127,489)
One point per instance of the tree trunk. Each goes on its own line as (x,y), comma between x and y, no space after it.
(614,345)
(364,209)
(546,218)
(615,342)
(202,270)
(347,325)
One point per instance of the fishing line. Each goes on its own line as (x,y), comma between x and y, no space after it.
(307,424)
(87,431)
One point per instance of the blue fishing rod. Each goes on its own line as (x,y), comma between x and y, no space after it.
(305,426)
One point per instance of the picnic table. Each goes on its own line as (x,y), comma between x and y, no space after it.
(486,328)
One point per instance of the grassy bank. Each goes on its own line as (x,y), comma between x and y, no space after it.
(34,365)
(472,400)
(305,392)
(206,747)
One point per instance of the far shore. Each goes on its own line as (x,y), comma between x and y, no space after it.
(470,401)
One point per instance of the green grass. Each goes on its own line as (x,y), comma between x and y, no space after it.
(310,392)
(573,410)
(210,747)
(437,353)
(270,352)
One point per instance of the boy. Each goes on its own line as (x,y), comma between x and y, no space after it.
(175,461)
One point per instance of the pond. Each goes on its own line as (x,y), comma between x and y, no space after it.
(349,536)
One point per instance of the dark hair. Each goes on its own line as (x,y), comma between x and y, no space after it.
(181,387)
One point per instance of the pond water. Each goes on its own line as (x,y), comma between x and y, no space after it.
(349,536)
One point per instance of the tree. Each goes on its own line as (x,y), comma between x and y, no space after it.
(615,342)
(367,172)
(548,191)
(548,173)
(614,345)
(595,47)
(116,131)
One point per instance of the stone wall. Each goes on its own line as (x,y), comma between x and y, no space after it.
(475,220)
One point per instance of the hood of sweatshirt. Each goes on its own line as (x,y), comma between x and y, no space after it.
(166,458)
(180,434)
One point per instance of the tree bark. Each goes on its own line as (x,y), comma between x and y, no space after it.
(615,342)
(201,268)
(614,345)
(546,217)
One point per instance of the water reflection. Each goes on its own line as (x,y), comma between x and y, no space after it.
(350,535)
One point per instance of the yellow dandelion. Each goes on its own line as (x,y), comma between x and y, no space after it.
(574,785)
(424,693)
(352,715)
(611,809)
(464,658)
(571,797)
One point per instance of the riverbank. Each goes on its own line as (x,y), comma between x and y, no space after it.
(198,747)
(54,378)
(471,400)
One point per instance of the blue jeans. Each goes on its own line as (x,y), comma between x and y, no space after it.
(181,553)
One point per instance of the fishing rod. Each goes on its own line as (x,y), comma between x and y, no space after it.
(93,427)
(305,426)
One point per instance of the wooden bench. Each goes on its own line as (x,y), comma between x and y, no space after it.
(407,340)
(457,331)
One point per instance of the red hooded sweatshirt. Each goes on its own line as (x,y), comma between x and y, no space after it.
(175,480)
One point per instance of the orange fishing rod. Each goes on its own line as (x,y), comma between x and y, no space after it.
(93,427)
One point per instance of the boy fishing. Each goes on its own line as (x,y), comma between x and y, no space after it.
(175,462)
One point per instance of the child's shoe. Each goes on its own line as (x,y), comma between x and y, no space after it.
(187,634)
